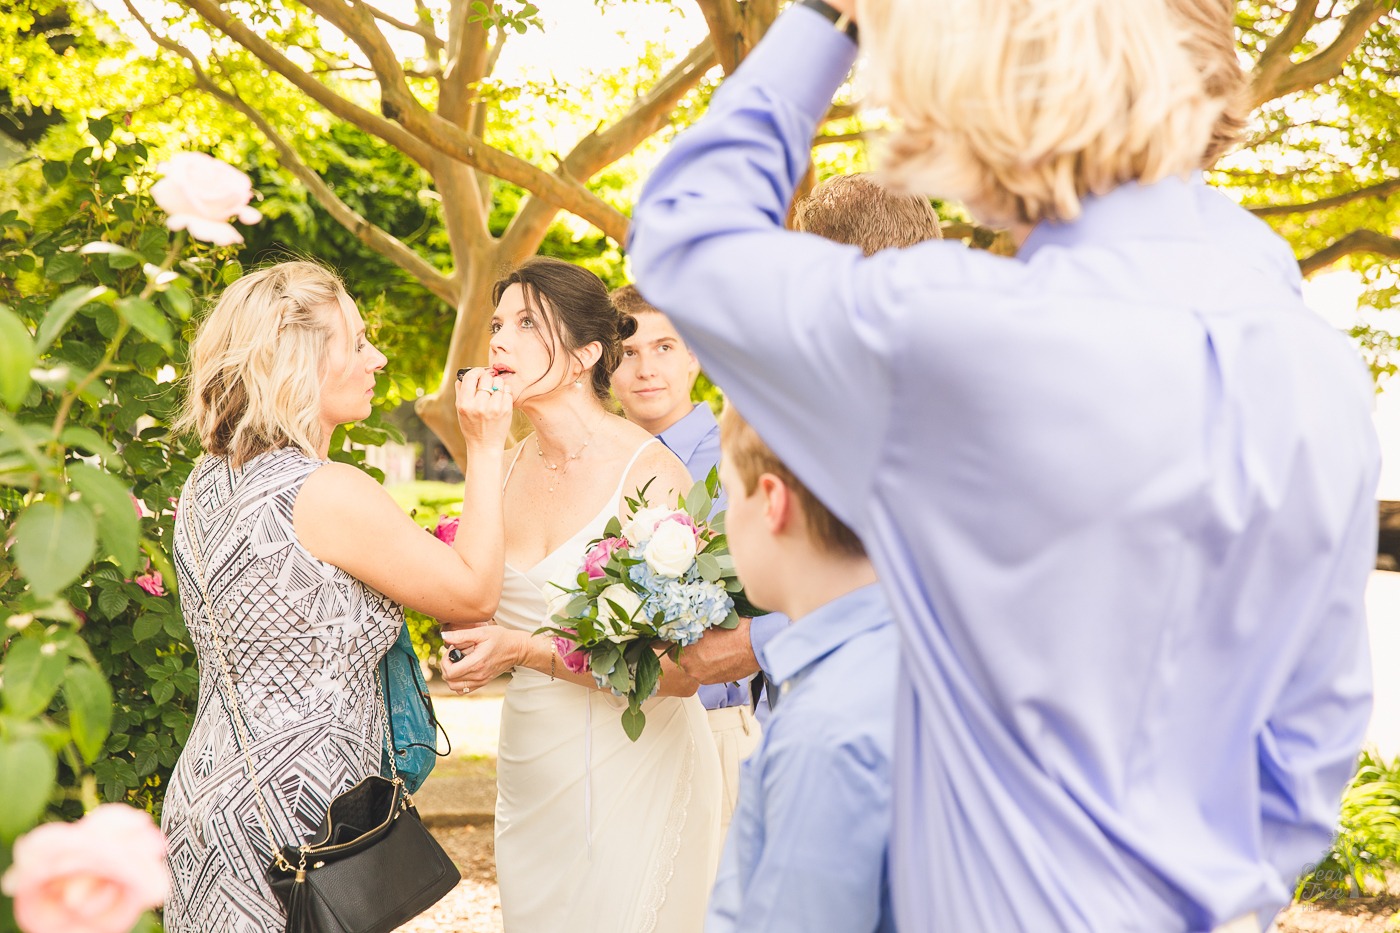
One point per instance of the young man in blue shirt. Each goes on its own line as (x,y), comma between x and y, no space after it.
(808,846)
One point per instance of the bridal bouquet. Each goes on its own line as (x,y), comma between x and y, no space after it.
(648,587)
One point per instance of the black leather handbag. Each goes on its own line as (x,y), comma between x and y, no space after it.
(371,865)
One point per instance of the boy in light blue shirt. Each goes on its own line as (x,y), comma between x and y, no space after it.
(808,846)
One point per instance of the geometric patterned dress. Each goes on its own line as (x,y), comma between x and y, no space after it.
(303,641)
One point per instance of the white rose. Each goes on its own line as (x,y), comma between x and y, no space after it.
(640,526)
(671,550)
(628,601)
(200,193)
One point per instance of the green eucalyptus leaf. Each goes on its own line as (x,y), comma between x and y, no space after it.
(117,521)
(54,543)
(33,670)
(16,358)
(709,567)
(27,772)
(89,699)
(633,722)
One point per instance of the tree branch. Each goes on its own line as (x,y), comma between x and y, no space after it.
(430,38)
(1326,64)
(356,22)
(1358,241)
(371,123)
(1277,53)
(1381,190)
(600,149)
(377,239)
(860,136)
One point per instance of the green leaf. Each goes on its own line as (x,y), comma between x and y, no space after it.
(33,671)
(633,721)
(55,172)
(180,301)
(63,267)
(147,625)
(231,272)
(613,529)
(89,699)
(162,691)
(100,129)
(146,317)
(709,567)
(63,308)
(118,257)
(54,543)
(27,772)
(648,673)
(112,601)
(88,441)
(117,521)
(16,358)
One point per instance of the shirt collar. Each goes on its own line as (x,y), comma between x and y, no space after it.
(1164,210)
(823,630)
(685,435)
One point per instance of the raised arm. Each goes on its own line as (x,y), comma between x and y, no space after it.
(787,323)
(345,518)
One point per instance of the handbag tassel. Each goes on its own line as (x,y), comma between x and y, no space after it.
(299,917)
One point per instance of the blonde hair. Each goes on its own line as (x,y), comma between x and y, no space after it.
(1019,108)
(858,210)
(257,362)
(741,446)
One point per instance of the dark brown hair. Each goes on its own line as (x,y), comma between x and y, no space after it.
(741,446)
(576,311)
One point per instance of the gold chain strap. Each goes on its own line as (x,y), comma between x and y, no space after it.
(240,725)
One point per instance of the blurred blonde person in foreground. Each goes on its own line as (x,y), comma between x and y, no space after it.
(1120,487)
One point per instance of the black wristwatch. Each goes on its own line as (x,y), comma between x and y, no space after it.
(842,21)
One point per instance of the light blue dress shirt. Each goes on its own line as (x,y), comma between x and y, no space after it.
(1120,489)
(695,439)
(808,845)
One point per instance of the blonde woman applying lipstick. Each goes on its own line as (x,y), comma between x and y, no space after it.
(293,573)
(593,832)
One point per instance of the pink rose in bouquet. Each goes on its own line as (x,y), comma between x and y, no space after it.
(574,657)
(200,194)
(446,529)
(597,557)
(97,875)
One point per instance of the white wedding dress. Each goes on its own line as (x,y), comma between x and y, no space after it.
(595,832)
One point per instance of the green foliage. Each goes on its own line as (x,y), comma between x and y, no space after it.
(1367,845)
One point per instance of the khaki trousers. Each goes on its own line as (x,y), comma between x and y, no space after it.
(1246,924)
(737,734)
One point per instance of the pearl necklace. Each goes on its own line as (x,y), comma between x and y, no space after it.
(560,469)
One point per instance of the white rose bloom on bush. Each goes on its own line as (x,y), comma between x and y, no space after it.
(626,600)
(200,194)
(671,550)
(640,526)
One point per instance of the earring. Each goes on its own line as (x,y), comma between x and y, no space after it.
(578,383)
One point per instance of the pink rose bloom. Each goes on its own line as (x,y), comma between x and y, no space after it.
(573,657)
(446,530)
(151,583)
(200,194)
(681,518)
(97,875)
(597,558)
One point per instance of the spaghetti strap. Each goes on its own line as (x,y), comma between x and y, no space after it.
(622,480)
(511,469)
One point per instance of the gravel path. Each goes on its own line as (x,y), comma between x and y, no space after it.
(473,906)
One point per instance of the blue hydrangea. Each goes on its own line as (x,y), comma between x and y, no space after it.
(687,606)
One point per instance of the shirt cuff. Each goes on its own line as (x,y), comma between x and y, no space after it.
(802,59)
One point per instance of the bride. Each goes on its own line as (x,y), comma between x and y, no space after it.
(593,831)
